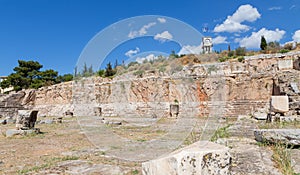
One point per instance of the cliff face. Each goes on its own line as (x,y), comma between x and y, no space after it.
(223,89)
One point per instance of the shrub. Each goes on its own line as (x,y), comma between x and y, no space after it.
(241,58)
(101,73)
(284,51)
(223,59)
(139,73)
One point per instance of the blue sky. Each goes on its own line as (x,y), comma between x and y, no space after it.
(55,32)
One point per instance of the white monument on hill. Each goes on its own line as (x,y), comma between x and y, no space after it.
(207,44)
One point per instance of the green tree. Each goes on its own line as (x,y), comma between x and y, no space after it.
(28,75)
(47,77)
(173,54)
(90,71)
(109,71)
(240,51)
(274,45)
(101,73)
(263,43)
(64,78)
(25,75)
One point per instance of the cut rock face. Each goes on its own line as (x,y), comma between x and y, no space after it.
(200,158)
(284,136)
(280,104)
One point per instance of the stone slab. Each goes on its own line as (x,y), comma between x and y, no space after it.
(284,136)
(295,87)
(285,64)
(14,132)
(200,158)
(260,115)
(280,104)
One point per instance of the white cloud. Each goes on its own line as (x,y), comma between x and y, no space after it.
(242,14)
(219,40)
(188,49)
(130,53)
(292,7)
(253,41)
(162,20)
(148,57)
(274,8)
(142,31)
(164,36)
(296,36)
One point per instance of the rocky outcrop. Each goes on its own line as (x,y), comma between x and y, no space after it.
(199,158)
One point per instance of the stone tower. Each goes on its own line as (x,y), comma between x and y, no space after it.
(207,44)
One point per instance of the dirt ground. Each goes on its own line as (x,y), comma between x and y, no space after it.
(42,153)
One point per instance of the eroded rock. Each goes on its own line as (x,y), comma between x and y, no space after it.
(202,157)
(26,119)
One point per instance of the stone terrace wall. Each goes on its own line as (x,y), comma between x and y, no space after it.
(229,89)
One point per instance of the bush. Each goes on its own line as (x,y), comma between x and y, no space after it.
(284,51)
(101,73)
(223,59)
(241,59)
(139,73)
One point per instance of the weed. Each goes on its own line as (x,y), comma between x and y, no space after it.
(282,157)
(220,133)
(51,162)
(135,172)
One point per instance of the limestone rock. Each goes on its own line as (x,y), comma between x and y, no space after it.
(295,155)
(3,122)
(250,159)
(285,64)
(85,167)
(285,136)
(14,132)
(174,110)
(202,157)
(260,115)
(26,119)
(280,104)
(295,87)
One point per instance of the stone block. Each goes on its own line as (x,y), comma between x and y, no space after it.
(280,104)
(260,115)
(200,158)
(174,110)
(26,119)
(295,87)
(285,64)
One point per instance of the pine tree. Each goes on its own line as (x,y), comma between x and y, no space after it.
(109,70)
(263,43)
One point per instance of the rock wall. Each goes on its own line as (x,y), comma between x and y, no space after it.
(223,89)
